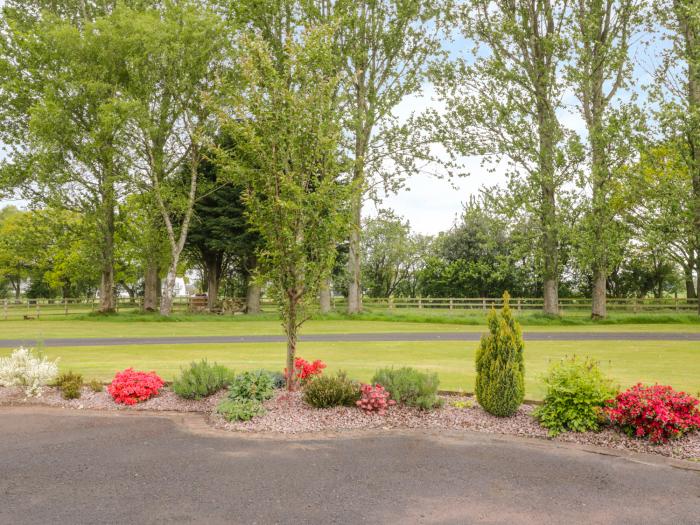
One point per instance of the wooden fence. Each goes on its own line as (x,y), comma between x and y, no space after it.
(42,308)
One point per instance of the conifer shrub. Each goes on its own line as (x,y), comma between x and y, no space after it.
(577,391)
(332,391)
(500,364)
(96,385)
(202,379)
(409,387)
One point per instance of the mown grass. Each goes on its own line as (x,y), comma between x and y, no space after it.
(671,362)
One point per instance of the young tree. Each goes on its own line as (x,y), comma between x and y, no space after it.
(502,103)
(286,123)
(601,32)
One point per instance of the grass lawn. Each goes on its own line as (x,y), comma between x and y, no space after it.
(675,363)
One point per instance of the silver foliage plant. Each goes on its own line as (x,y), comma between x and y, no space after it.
(26,370)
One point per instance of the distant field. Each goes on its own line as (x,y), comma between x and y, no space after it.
(675,363)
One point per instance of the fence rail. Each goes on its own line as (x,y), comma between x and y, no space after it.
(42,308)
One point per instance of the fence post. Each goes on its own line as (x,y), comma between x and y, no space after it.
(451,304)
(483,304)
(519,305)
(420,302)
(38,310)
(634,305)
(675,300)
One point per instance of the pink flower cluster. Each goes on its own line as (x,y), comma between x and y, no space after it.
(132,386)
(374,399)
(658,412)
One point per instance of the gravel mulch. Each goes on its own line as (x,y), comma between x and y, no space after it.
(287,414)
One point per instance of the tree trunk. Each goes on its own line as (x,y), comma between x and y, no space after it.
(355,262)
(599,309)
(213,263)
(290,329)
(166,301)
(550,241)
(151,290)
(325,297)
(107,299)
(253,297)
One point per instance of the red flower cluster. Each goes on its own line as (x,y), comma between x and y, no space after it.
(374,398)
(655,411)
(303,370)
(131,386)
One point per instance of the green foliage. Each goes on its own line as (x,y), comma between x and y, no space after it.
(332,391)
(278,379)
(71,389)
(576,392)
(240,409)
(410,387)
(201,380)
(96,386)
(462,404)
(257,385)
(65,378)
(500,364)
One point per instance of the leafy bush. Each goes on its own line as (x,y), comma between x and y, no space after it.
(576,394)
(240,409)
(374,399)
(68,377)
(132,386)
(304,371)
(278,379)
(201,380)
(71,389)
(256,385)
(658,412)
(409,387)
(332,391)
(24,369)
(500,366)
(96,386)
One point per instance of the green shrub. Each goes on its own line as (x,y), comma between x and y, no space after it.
(240,409)
(576,393)
(278,379)
(332,391)
(71,389)
(410,387)
(500,365)
(256,385)
(68,377)
(201,380)
(96,386)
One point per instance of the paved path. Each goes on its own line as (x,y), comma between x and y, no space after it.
(71,467)
(337,338)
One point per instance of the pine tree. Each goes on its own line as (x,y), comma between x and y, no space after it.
(500,366)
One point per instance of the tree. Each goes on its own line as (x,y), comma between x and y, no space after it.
(174,56)
(602,32)
(502,103)
(500,364)
(62,119)
(286,123)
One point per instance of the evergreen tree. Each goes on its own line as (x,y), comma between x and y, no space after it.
(500,365)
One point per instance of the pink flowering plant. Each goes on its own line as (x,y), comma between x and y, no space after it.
(132,386)
(373,398)
(657,412)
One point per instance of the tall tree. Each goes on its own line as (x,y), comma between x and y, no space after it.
(601,33)
(502,102)
(287,124)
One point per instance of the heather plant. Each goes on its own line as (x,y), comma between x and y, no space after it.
(68,377)
(240,409)
(22,368)
(332,391)
(256,385)
(657,412)
(374,398)
(71,389)
(409,387)
(202,379)
(500,365)
(96,386)
(576,392)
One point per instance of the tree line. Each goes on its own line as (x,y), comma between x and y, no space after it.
(244,139)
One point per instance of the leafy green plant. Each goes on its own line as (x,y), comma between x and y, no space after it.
(96,386)
(410,387)
(256,385)
(278,379)
(201,380)
(71,389)
(500,364)
(68,377)
(462,404)
(576,392)
(240,409)
(332,391)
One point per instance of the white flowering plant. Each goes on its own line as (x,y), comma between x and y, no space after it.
(25,369)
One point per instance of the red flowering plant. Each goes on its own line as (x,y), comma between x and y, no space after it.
(132,386)
(305,371)
(657,412)
(374,399)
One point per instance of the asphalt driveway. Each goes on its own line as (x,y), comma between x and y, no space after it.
(72,467)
